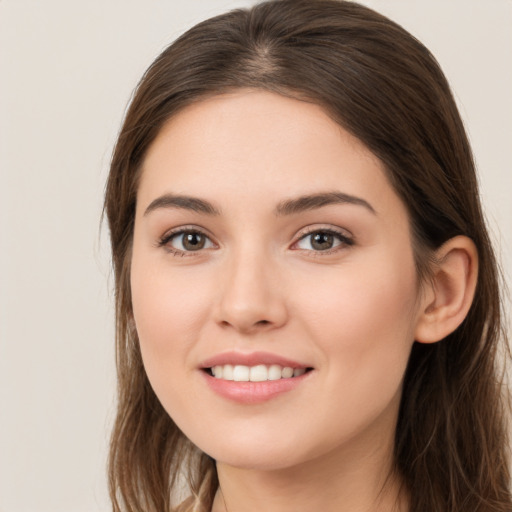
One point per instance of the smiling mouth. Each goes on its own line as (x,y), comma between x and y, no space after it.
(258,373)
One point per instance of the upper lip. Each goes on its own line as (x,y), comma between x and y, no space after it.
(251,359)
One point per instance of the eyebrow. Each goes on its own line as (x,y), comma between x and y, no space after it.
(284,208)
(182,202)
(313,201)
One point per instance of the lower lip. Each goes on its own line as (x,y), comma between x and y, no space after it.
(253,392)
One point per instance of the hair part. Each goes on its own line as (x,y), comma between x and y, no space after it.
(383,86)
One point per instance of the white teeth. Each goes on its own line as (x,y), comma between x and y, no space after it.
(274,372)
(259,373)
(287,372)
(227,372)
(241,373)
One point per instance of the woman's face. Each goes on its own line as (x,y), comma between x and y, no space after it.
(268,241)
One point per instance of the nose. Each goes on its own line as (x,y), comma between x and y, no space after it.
(252,297)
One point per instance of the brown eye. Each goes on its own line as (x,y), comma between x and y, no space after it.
(193,241)
(323,240)
(188,241)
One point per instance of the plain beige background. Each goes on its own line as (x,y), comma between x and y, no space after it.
(67,69)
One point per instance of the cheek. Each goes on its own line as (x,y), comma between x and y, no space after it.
(169,310)
(363,320)
(377,298)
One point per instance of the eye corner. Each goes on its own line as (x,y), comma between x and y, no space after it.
(190,247)
(330,240)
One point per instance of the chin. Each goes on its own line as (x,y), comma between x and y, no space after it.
(252,459)
(260,452)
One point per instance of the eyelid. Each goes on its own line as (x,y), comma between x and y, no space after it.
(314,228)
(164,240)
(346,238)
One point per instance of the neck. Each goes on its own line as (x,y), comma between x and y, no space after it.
(347,480)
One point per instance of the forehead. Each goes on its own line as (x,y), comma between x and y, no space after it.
(258,144)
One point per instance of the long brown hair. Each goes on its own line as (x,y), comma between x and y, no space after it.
(385,87)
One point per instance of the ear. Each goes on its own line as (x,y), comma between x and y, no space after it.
(449,294)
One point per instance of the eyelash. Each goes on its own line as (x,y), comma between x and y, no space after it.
(170,235)
(343,238)
(345,241)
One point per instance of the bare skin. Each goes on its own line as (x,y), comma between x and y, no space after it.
(367,485)
(263,227)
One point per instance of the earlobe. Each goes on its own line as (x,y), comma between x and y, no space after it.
(450,292)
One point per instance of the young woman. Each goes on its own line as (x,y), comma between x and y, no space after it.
(308,312)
